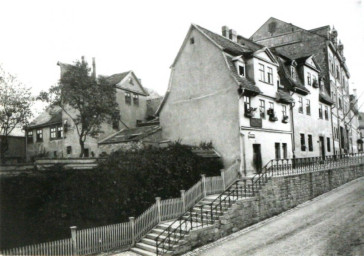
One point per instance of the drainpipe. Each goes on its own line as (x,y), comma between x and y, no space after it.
(243,163)
(332,130)
(292,105)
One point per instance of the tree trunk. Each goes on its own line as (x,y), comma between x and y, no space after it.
(82,144)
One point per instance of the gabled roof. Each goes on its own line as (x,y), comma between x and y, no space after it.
(131,135)
(51,116)
(116,79)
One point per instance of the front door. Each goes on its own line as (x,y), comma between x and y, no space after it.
(322,145)
(257,158)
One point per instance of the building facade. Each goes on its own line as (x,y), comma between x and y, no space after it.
(53,133)
(216,93)
(323,43)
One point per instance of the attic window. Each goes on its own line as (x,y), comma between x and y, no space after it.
(192,40)
(131,81)
(241,70)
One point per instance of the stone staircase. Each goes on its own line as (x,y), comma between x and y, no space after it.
(203,214)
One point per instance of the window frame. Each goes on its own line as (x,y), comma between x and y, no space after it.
(261,72)
(326,113)
(39,135)
(269,75)
(277,147)
(284,110)
(262,109)
(240,65)
(300,104)
(285,150)
(56,132)
(308,107)
(310,142)
(135,99)
(127,98)
(303,142)
(321,112)
(309,78)
(247,103)
(328,144)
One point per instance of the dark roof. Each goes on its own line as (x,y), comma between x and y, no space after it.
(206,153)
(226,44)
(284,97)
(52,115)
(286,79)
(130,135)
(152,105)
(243,81)
(325,98)
(116,78)
(236,49)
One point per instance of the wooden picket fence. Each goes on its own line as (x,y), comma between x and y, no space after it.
(123,235)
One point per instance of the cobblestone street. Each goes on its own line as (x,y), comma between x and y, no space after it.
(332,224)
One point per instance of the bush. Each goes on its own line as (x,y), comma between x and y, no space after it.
(124,185)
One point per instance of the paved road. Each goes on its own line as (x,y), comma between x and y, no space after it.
(330,225)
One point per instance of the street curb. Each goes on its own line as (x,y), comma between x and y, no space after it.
(197,251)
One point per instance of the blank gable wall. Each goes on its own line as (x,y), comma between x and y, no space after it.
(203,102)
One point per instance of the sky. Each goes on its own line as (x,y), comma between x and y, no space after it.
(145,36)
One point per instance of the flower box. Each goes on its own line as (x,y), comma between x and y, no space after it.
(249,112)
(285,119)
(315,84)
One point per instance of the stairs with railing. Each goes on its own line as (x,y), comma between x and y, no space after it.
(167,237)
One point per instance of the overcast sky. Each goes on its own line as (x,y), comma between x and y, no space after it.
(145,36)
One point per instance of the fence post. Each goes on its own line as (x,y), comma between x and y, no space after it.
(132,225)
(158,202)
(183,198)
(223,179)
(74,240)
(203,178)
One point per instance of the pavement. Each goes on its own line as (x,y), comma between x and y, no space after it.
(331,224)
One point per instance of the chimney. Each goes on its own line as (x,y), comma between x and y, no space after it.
(225,31)
(93,68)
(233,35)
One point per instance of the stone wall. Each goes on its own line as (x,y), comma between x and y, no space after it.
(277,196)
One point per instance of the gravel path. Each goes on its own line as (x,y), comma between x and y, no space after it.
(332,224)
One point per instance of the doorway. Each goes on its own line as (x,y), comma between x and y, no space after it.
(257,158)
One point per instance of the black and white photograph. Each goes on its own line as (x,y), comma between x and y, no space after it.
(195,127)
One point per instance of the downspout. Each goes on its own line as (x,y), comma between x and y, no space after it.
(242,142)
(332,130)
(292,105)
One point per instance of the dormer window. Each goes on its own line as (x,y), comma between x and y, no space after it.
(270,75)
(308,78)
(241,69)
(131,81)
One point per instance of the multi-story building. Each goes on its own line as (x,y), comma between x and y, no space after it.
(323,43)
(224,89)
(53,133)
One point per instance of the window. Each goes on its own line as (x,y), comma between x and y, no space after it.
(270,75)
(302,139)
(30,137)
(300,105)
(337,72)
(56,132)
(127,98)
(261,72)
(310,143)
(262,108)
(284,147)
(246,103)
(241,70)
(279,84)
(284,110)
(328,145)
(192,40)
(326,112)
(308,78)
(340,104)
(292,72)
(39,135)
(308,107)
(278,150)
(131,81)
(69,150)
(320,111)
(136,99)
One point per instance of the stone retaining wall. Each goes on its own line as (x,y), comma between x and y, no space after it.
(277,196)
